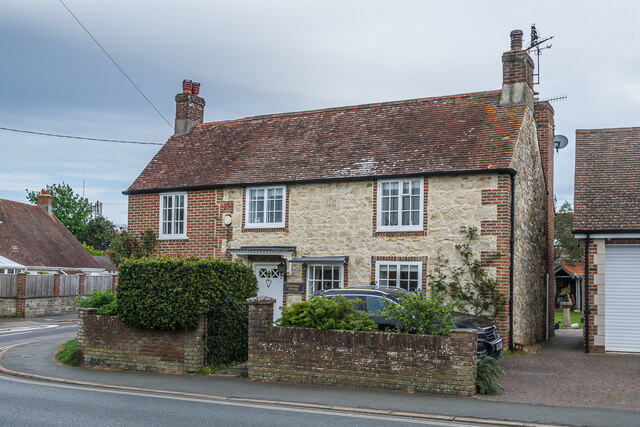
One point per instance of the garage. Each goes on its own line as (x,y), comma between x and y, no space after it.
(622,298)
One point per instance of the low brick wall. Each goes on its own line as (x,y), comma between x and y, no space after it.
(107,342)
(425,363)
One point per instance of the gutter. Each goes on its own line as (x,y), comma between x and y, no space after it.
(511,253)
(587,311)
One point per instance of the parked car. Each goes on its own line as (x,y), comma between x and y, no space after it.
(489,342)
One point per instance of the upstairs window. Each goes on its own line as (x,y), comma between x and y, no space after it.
(400,205)
(265,207)
(173,216)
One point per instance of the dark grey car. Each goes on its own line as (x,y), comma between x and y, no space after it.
(489,341)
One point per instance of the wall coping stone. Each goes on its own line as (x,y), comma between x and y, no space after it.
(261,300)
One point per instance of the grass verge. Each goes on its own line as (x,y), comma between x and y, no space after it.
(575,317)
(67,354)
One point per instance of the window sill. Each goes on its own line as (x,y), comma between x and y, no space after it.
(398,229)
(265,227)
(173,238)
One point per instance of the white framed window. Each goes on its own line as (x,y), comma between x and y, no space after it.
(265,207)
(321,277)
(406,275)
(400,204)
(173,216)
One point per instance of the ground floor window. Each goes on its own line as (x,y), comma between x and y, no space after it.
(406,275)
(321,277)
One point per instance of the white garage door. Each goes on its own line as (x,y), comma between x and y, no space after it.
(622,298)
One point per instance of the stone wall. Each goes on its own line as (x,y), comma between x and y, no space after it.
(530,238)
(106,342)
(8,307)
(425,363)
(50,306)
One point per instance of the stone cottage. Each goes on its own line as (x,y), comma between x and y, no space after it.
(368,193)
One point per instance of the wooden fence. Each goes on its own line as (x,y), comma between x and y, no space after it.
(97,283)
(8,285)
(39,285)
(69,285)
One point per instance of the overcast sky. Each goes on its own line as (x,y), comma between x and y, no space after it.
(261,57)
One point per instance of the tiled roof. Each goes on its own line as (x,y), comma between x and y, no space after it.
(574,269)
(458,133)
(31,237)
(607,180)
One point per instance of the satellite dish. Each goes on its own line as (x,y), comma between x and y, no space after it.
(560,141)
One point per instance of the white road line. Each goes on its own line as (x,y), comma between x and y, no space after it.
(273,407)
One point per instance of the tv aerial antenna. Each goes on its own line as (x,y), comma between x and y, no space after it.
(537,47)
(559,142)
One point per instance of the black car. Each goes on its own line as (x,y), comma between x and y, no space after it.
(489,342)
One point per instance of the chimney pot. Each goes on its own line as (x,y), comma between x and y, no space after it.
(195,88)
(187,86)
(516,40)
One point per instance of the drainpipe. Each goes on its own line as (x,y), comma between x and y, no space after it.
(587,312)
(511,251)
(547,311)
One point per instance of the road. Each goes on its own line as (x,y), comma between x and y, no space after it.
(27,402)
(16,331)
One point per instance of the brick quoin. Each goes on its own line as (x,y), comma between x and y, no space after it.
(501,257)
(593,291)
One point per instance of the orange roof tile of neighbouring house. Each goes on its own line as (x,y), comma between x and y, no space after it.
(607,181)
(32,237)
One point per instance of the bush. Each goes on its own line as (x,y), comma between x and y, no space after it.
(105,302)
(127,245)
(419,314)
(326,313)
(488,373)
(169,293)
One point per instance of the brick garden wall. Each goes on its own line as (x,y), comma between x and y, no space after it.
(423,363)
(107,342)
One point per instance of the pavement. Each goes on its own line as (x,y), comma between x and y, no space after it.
(35,360)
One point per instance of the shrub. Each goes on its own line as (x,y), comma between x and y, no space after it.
(127,245)
(419,314)
(105,302)
(326,313)
(67,353)
(488,373)
(169,293)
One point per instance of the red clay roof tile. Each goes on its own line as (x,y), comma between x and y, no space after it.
(448,134)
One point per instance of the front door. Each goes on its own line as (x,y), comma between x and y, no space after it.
(270,283)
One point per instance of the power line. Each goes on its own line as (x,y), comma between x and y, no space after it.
(115,63)
(119,141)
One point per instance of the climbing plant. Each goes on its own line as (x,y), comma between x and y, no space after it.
(469,284)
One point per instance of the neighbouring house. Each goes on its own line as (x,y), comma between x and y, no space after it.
(369,193)
(32,239)
(607,220)
(569,276)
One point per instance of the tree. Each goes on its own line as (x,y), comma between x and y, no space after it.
(99,233)
(566,246)
(71,209)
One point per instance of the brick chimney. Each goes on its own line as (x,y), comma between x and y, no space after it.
(45,201)
(189,107)
(517,74)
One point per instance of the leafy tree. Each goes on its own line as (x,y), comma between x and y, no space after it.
(99,233)
(71,209)
(566,246)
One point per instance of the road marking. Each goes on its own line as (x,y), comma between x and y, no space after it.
(273,407)
(24,329)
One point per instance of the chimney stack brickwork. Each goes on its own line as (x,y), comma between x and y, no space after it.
(517,74)
(189,107)
(45,201)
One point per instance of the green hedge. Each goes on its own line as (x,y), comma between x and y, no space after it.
(169,293)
